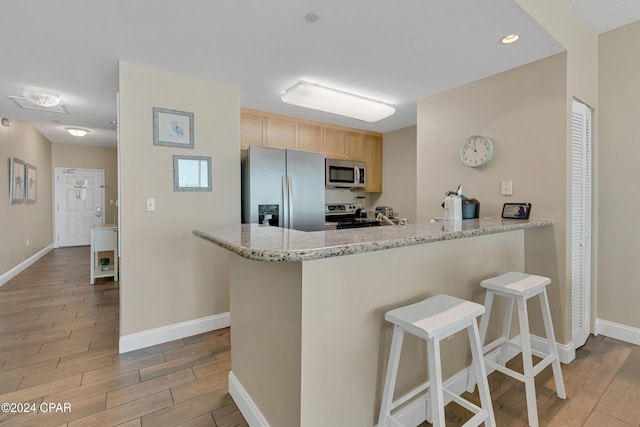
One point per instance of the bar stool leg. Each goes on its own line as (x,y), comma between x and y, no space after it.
(480,371)
(527,362)
(436,394)
(391,375)
(506,332)
(551,340)
(484,325)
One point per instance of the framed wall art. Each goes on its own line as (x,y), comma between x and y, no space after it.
(172,128)
(16,180)
(191,173)
(31,183)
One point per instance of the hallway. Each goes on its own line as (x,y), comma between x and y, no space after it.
(59,344)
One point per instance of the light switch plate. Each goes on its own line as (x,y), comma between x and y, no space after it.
(151,204)
(507,188)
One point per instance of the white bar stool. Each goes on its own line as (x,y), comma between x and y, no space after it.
(433,320)
(520,287)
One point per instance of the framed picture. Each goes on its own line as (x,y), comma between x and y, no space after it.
(516,210)
(31,183)
(172,128)
(191,173)
(16,181)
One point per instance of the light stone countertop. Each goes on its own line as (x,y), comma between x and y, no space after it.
(264,243)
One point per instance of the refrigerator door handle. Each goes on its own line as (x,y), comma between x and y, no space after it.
(285,202)
(290,190)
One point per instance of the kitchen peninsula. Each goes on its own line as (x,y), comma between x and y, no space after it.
(309,341)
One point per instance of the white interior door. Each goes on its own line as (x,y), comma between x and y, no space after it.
(79,205)
(581,176)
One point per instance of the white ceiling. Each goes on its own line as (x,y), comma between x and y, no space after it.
(390,51)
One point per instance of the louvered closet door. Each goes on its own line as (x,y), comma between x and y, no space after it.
(580,222)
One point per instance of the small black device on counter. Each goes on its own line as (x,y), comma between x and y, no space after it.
(516,210)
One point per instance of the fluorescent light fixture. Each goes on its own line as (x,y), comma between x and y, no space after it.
(41,97)
(77,132)
(317,97)
(510,38)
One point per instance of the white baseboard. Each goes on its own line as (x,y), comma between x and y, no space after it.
(173,332)
(245,404)
(4,278)
(566,352)
(618,331)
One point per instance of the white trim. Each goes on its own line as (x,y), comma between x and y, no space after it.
(245,404)
(566,352)
(173,332)
(4,278)
(618,331)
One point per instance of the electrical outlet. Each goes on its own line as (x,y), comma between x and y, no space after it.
(151,204)
(507,188)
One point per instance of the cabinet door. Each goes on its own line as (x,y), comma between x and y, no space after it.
(310,138)
(281,133)
(354,146)
(253,130)
(333,143)
(373,158)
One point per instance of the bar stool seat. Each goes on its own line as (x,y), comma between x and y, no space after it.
(519,287)
(433,320)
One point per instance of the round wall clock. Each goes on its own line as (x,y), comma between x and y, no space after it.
(476,151)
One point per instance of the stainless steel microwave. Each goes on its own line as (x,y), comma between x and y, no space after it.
(345,173)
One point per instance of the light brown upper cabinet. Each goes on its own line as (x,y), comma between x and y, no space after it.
(281,133)
(373,159)
(253,130)
(354,146)
(334,143)
(310,138)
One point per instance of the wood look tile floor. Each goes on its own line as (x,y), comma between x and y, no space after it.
(59,344)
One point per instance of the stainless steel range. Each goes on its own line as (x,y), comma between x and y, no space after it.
(348,215)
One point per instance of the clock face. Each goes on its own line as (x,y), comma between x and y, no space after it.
(476,151)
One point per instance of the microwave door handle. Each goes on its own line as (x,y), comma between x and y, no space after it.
(356,177)
(290,190)
(285,204)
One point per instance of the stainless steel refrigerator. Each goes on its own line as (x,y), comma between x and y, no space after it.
(283,188)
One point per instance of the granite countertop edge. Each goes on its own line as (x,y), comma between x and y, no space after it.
(369,239)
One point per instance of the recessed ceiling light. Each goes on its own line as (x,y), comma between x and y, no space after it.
(510,38)
(77,132)
(311,17)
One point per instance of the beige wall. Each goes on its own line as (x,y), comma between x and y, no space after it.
(562,21)
(399,179)
(618,227)
(168,275)
(19,222)
(523,111)
(88,157)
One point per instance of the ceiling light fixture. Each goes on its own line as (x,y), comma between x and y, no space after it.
(510,38)
(317,97)
(77,132)
(41,97)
